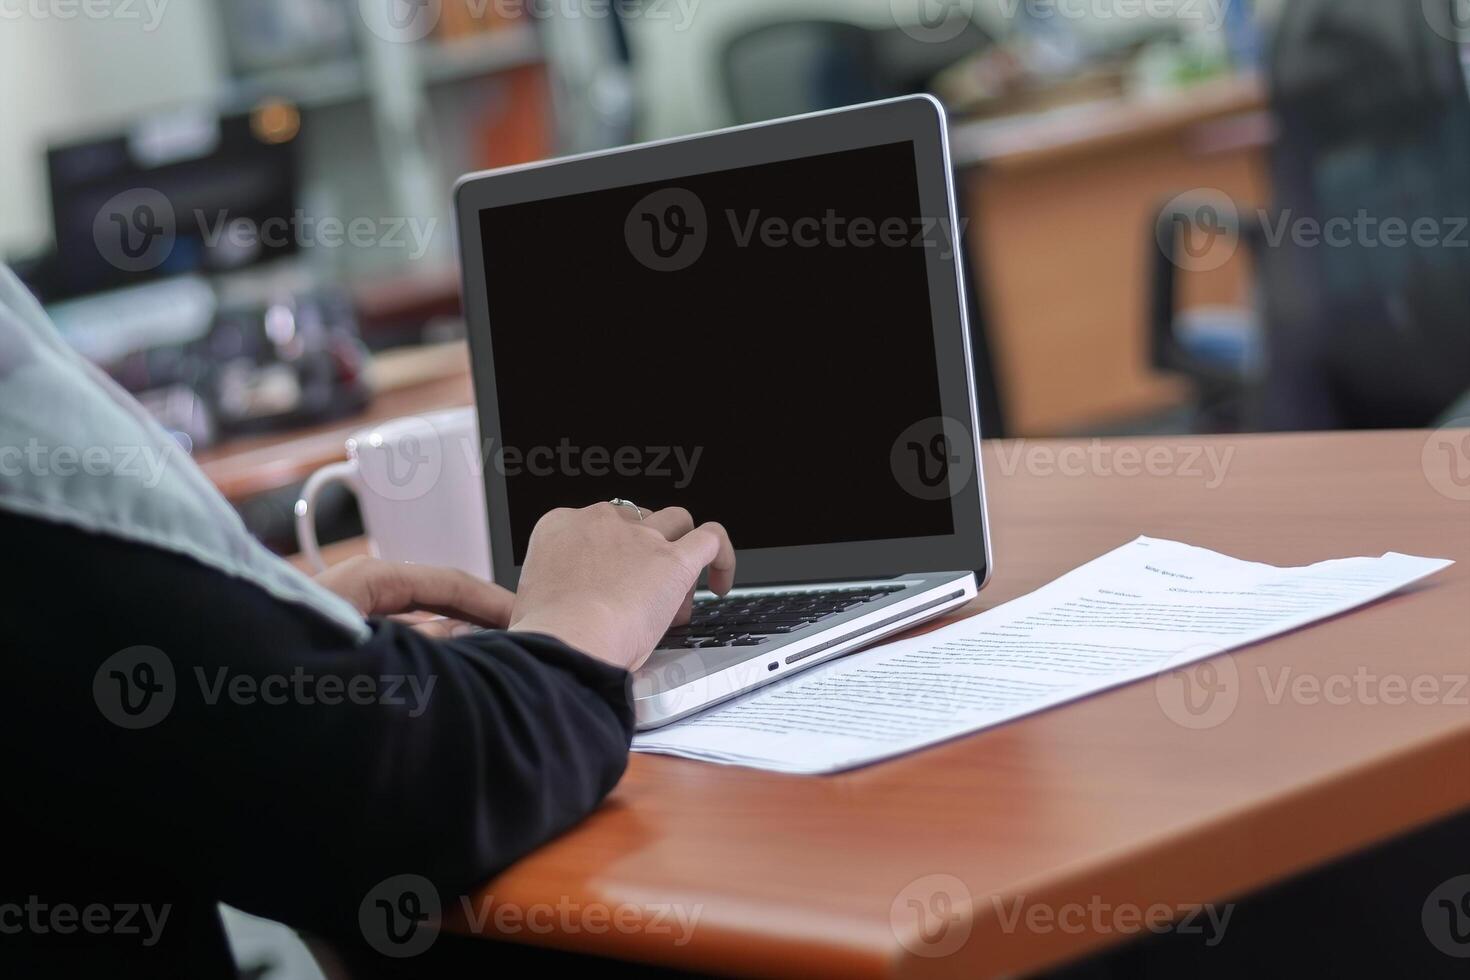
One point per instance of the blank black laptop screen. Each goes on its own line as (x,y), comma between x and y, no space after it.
(755,345)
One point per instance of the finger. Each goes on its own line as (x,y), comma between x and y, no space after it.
(709,546)
(447,591)
(722,567)
(672,522)
(444,629)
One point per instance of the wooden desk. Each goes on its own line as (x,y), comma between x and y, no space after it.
(1106,798)
(1062,206)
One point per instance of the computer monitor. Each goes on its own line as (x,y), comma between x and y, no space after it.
(173,195)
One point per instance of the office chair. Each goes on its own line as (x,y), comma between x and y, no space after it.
(1374,120)
(788,68)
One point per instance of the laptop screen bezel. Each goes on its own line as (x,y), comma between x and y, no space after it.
(919,120)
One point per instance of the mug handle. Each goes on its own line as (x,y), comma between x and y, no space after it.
(306,509)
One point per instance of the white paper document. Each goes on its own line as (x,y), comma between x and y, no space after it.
(1147,607)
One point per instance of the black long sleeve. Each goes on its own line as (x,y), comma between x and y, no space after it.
(292,771)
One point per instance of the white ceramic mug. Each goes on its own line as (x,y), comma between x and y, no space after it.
(420,486)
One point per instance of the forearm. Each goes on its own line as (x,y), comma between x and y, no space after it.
(293,771)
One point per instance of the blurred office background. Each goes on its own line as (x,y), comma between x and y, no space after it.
(1180,215)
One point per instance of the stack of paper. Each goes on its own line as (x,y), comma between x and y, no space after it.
(1148,607)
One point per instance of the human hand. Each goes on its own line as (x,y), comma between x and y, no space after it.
(383,588)
(610,585)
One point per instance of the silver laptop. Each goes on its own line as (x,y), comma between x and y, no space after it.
(766,326)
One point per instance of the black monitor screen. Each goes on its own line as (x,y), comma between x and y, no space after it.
(750,344)
(122,217)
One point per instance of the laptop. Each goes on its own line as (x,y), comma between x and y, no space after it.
(764,325)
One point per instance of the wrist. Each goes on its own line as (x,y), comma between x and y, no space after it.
(587,629)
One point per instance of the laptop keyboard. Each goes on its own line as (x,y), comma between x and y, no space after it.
(750,620)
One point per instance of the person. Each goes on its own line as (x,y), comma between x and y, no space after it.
(191,721)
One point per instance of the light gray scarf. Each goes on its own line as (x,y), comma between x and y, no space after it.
(76,449)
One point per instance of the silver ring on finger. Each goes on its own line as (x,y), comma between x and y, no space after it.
(620,502)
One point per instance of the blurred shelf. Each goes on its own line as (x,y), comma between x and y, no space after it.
(334,82)
(341,81)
